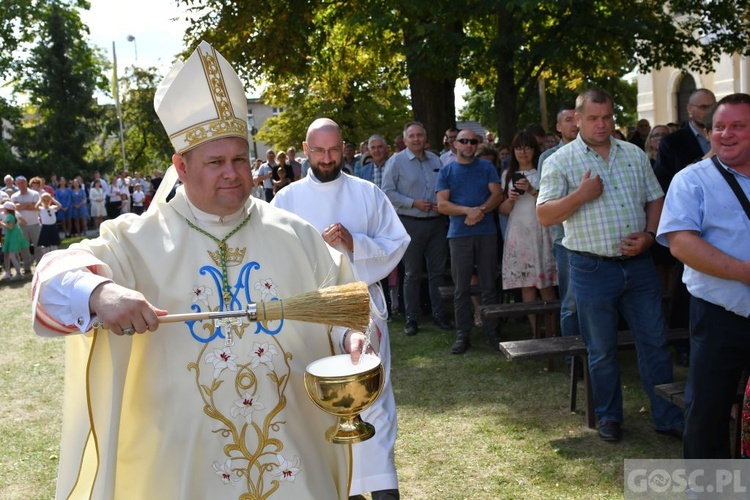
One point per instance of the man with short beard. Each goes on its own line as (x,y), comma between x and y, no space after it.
(467,190)
(687,145)
(374,240)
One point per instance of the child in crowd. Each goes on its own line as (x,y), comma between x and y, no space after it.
(137,198)
(49,236)
(14,241)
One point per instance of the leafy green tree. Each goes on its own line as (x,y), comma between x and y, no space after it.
(147,145)
(502,46)
(574,44)
(60,76)
(10,116)
(335,59)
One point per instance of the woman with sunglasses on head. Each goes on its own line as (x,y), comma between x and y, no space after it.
(653,140)
(528,258)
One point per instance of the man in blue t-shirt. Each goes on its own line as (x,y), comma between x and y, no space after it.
(468,190)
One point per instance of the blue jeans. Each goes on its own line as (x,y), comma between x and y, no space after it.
(631,287)
(568,310)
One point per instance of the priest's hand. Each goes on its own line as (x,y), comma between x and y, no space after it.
(338,234)
(353,344)
(122,310)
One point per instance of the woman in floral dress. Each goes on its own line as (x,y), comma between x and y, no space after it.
(528,260)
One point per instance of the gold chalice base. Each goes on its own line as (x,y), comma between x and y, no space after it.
(344,390)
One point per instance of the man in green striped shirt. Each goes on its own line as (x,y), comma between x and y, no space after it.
(605,194)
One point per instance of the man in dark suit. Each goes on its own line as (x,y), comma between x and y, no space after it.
(676,151)
(687,145)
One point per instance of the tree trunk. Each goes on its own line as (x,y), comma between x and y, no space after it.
(433,103)
(432,65)
(506,92)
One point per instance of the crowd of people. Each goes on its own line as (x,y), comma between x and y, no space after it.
(48,212)
(580,212)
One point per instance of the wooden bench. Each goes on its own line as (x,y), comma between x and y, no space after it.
(545,348)
(546,313)
(675,393)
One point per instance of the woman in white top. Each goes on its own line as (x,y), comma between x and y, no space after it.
(49,236)
(98,210)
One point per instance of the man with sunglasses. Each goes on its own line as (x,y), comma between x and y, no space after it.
(468,189)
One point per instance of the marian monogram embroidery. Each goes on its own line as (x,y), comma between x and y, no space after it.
(243,390)
(206,331)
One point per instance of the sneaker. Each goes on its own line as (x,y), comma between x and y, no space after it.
(460,346)
(610,431)
(411,328)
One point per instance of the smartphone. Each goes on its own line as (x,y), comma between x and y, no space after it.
(517,176)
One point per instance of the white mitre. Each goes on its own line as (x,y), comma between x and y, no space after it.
(201,100)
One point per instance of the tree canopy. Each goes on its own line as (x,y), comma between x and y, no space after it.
(500,46)
(371,65)
(60,76)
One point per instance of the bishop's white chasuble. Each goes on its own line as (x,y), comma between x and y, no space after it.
(177,413)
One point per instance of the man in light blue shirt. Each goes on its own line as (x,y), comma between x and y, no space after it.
(705,227)
(409,182)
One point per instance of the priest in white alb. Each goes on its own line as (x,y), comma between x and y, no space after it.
(195,409)
(355,217)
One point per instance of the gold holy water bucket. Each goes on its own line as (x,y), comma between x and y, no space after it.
(344,390)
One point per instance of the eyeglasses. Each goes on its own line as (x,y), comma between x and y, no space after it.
(658,136)
(702,107)
(473,142)
(522,149)
(336,150)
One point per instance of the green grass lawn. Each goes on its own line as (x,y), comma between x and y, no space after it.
(471,426)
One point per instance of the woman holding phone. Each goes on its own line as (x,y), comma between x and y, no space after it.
(528,260)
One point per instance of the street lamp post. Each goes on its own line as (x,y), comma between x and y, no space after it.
(131,38)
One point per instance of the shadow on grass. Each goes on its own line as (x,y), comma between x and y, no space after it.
(512,419)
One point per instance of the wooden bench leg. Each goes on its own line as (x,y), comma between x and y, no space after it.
(549,331)
(575,362)
(590,413)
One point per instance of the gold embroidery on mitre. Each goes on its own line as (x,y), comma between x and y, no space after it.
(226,124)
(235,256)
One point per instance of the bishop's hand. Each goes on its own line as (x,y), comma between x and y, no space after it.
(122,310)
